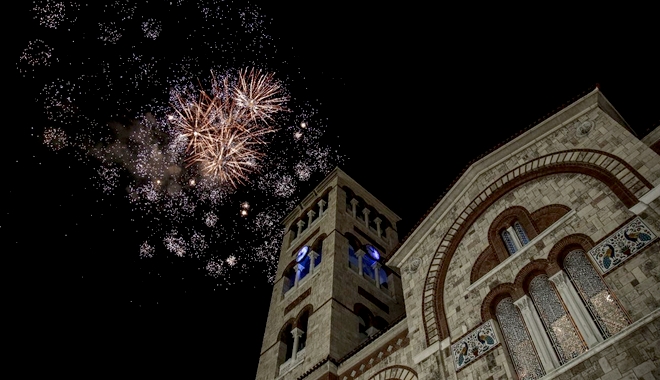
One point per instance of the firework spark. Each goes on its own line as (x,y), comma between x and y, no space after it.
(180,151)
(226,128)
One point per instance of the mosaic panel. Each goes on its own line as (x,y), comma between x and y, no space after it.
(603,307)
(473,345)
(561,330)
(622,244)
(521,348)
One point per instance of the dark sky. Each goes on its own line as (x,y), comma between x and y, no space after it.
(405,97)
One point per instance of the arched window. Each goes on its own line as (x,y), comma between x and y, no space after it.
(525,359)
(286,343)
(604,308)
(305,265)
(353,246)
(317,248)
(364,321)
(564,336)
(368,264)
(302,325)
(289,278)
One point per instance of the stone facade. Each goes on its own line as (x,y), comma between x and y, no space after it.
(541,261)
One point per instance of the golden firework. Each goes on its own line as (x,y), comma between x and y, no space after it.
(226,129)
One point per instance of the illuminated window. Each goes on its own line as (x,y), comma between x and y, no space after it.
(603,307)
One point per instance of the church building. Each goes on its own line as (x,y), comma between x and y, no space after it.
(541,261)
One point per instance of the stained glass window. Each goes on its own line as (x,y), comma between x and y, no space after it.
(508,242)
(521,348)
(520,231)
(603,307)
(565,338)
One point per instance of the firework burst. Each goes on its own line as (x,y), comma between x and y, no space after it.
(226,128)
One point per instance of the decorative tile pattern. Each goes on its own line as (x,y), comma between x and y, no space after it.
(622,244)
(473,345)
(605,309)
(521,348)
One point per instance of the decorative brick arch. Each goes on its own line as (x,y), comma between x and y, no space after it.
(568,243)
(624,181)
(547,215)
(395,372)
(506,217)
(495,295)
(308,309)
(528,272)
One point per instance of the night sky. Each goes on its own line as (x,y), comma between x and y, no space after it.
(401,98)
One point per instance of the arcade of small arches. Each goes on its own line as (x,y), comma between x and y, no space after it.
(365,261)
(292,341)
(308,217)
(510,232)
(306,261)
(368,323)
(555,310)
(395,372)
(293,335)
(372,219)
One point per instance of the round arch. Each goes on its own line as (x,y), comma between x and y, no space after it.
(395,372)
(602,166)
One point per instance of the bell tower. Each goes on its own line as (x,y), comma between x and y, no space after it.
(332,291)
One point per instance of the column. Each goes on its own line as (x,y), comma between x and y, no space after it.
(301,224)
(576,308)
(299,269)
(360,254)
(310,217)
(297,333)
(378,221)
(539,337)
(354,203)
(312,258)
(376,267)
(366,212)
(514,238)
(321,204)
(371,331)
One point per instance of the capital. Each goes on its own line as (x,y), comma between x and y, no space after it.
(523,303)
(559,279)
(297,333)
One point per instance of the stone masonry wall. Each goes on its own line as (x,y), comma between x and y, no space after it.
(597,219)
